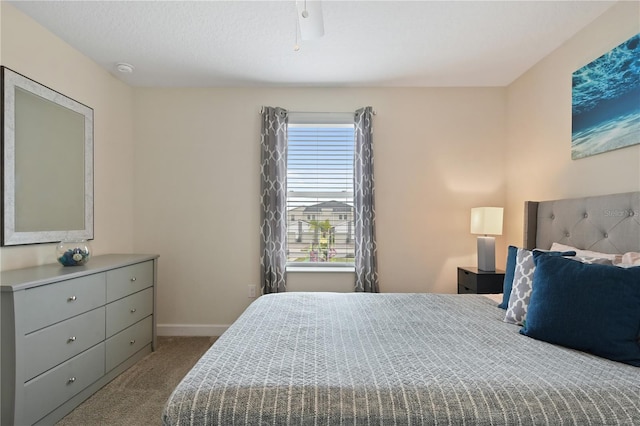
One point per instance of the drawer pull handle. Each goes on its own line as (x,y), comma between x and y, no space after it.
(133,279)
(71,339)
(71,380)
(132,341)
(133,310)
(72,299)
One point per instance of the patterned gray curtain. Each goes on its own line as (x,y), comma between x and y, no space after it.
(273,226)
(364,204)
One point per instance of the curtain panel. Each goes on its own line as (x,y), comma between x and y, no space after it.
(273,226)
(364,204)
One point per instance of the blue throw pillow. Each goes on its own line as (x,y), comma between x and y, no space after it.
(510,273)
(590,307)
(508,276)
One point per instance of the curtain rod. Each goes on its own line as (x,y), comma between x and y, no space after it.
(322,112)
(326,112)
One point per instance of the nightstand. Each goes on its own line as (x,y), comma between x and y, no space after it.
(473,281)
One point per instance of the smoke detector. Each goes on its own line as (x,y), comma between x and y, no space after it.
(124,68)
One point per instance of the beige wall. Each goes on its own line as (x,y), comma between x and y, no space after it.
(30,49)
(438,153)
(177,169)
(538,156)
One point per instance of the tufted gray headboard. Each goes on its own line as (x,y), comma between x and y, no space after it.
(606,223)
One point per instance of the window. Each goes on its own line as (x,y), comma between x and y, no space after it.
(320,189)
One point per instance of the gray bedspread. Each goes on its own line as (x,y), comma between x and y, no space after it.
(396,359)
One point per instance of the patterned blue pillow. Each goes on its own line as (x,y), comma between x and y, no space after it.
(508,276)
(521,288)
(590,307)
(523,283)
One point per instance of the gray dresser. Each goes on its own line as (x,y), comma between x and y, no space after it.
(67,331)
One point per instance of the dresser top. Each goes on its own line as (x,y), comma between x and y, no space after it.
(21,279)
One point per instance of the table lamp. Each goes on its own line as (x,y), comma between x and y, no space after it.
(486,221)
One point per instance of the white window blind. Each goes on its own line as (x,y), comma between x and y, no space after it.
(320,190)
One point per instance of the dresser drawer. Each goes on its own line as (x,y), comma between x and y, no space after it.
(52,303)
(467,282)
(473,280)
(128,342)
(51,389)
(53,345)
(125,312)
(124,281)
(465,290)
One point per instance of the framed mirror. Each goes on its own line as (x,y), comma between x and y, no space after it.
(47,168)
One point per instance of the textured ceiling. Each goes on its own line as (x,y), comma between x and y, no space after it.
(366,43)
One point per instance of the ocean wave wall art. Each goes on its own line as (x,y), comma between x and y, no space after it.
(606,102)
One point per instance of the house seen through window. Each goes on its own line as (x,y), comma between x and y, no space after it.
(320,191)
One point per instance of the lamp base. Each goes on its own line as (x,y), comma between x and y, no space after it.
(487,254)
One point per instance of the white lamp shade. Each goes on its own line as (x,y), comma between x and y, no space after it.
(486,220)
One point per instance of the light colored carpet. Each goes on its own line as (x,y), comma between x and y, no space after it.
(138,395)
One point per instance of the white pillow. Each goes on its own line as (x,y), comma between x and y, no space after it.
(628,260)
(586,253)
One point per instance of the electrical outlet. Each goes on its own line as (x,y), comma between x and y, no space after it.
(252,291)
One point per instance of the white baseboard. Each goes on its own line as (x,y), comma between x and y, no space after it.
(191,329)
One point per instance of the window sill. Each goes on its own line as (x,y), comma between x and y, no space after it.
(343,269)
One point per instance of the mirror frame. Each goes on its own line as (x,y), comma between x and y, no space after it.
(10,81)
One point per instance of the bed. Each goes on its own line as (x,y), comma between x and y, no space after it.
(414,359)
